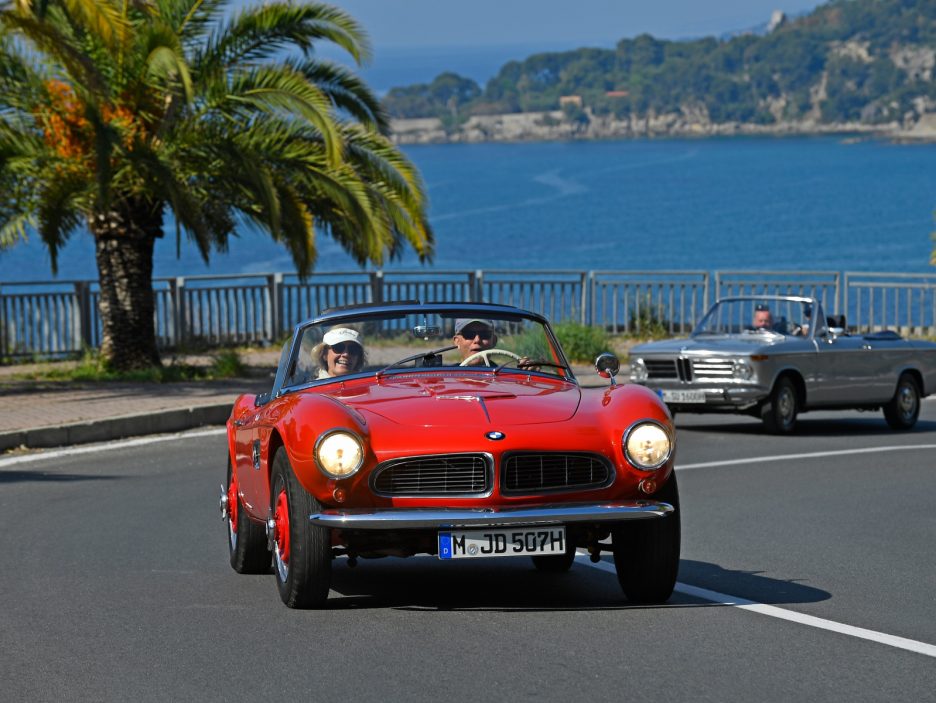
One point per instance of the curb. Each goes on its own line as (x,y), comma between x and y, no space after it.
(159,422)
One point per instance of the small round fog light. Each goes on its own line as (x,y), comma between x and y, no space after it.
(648,486)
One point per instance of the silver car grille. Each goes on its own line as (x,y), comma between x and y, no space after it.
(524,472)
(679,368)
(713,368)
(441,475)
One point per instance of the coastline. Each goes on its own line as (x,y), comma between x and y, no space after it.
(554,126)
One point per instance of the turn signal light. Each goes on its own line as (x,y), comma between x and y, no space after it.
(648,486)
(339,495)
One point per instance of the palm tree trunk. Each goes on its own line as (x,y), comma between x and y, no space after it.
(124,238)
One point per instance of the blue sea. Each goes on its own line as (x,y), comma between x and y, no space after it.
(748,203)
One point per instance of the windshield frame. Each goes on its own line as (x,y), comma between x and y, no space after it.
(818,314)
(365,312)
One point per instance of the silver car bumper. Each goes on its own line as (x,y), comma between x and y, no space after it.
(446,518)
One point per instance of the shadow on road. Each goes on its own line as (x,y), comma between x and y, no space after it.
(426,584)
(806,427)
(42,477)
(750,585)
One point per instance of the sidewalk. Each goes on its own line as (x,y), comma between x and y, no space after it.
(57,413)
(52,414)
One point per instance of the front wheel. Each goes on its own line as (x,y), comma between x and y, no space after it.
(301,551)
(902,411)
(247,544)
(646,552)
(779,412)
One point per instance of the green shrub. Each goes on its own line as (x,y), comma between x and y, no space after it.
(582,342)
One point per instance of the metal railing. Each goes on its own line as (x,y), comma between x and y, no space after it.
(60,318)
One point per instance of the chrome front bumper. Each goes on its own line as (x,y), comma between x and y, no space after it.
(448,518)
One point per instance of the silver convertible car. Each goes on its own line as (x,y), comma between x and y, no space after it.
(777,356)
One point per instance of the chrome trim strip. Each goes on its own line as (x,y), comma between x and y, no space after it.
(390,463)
(445,518)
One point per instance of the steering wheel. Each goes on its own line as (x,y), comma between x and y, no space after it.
(484,355)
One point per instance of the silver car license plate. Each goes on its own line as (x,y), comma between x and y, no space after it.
(471,544)
(683,396)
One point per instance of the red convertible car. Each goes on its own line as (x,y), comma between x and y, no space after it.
(456,430)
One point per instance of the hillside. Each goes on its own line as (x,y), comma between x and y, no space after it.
(850,65)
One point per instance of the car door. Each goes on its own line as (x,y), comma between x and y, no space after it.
(845,370)
(247,457)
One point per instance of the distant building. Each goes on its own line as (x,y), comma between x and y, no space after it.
(616,94)
(570,100)
(777,19)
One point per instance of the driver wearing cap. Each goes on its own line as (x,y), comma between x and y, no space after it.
(340,352)
(473,336)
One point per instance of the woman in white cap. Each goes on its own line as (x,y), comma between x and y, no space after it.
(340,353)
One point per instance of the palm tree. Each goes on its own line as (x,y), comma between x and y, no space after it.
(115,112)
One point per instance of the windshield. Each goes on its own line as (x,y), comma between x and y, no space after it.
(757,316)
(382,344)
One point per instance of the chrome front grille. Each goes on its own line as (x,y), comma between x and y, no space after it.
(661,368)
(535,472)
(713,368)
(441,475)
(679,368)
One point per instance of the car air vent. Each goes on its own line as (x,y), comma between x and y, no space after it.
(532,473)
(441,475)
(713,368)
(661,368)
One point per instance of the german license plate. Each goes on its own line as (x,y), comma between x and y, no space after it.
(683,396)
(470,544)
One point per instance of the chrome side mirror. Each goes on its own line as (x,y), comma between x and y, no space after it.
(607,366)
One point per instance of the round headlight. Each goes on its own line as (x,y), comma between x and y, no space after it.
(339,454)
(638,370)
(647,445)
(743,370)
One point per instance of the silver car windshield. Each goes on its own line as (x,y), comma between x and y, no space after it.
(746,316)
(381,345)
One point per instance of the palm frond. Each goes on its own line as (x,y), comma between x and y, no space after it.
(261,33)
(346,91)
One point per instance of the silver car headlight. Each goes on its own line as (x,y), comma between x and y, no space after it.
(742,369)
(638,370)
(339,453)
(647,445)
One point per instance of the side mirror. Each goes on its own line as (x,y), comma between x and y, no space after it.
(607,366)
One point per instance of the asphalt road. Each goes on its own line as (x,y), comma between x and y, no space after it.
(116,587)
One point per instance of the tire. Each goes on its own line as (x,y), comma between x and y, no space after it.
(779,412)
(555,563)
(301,551)
(902,411)
(247,543)
(646,552)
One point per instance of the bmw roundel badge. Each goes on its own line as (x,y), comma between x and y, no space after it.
(495,435)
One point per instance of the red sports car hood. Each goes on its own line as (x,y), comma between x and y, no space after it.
(422,400)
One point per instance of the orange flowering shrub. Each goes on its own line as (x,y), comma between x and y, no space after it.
(68,132)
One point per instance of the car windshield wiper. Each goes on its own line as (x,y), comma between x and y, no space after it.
(414,357)
(532,362)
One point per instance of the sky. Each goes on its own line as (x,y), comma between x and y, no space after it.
(416,40)
(422,23)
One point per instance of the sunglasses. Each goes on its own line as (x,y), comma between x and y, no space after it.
(343,347)
(482,333)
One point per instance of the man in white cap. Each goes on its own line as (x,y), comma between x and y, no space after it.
(341,352)
(472,336)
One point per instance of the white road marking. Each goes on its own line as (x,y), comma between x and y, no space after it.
(118,444)
(809,455)
(928,650)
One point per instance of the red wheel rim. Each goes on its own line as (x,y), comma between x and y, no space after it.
(281,518)
(232,500)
